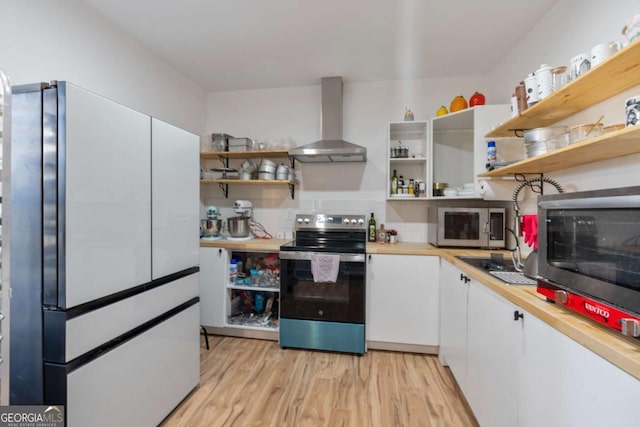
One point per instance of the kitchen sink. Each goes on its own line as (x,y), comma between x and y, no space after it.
(500,268)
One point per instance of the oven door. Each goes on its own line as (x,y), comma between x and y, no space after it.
(303,298)
(590,242)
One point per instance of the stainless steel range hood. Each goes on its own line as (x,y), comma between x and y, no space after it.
(331,148)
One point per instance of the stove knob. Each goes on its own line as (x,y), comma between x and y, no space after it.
(299,220)
(361,221)
(353,221)
(307,220)
(345,221)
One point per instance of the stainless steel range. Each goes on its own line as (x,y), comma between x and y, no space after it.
(322,284)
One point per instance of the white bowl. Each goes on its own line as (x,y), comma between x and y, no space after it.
(450,192)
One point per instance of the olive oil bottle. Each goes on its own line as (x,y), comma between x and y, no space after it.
(371,237)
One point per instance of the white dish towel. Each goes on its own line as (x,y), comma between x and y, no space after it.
(324,267)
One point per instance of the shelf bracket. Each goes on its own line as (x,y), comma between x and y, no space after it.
(224,160)
(537,188)
(225,189)
(292,190)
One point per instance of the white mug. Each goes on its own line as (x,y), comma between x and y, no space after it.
(602,51)
(543,81)
(579,65)
(531,89)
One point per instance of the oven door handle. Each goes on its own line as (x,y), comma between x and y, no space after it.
(307,256)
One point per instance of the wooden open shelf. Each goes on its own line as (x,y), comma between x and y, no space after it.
(243,154)
(611,145)
(248,181)
(616,74)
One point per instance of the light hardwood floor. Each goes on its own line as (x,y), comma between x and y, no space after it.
(247,382)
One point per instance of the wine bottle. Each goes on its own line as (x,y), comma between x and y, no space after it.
(372,229)
(394,183)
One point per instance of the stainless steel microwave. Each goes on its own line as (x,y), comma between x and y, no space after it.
(467,227)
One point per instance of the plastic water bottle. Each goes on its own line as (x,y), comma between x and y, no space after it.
(491,154)
(233,270)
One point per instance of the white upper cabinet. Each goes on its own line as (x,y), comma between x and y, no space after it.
(107,196)
(175,198)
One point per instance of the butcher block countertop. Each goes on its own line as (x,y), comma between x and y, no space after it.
(622,351)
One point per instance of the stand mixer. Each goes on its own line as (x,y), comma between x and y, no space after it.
(211,225)
(239,227)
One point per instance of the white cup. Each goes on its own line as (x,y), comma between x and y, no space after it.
(579,65)
(514,106)
(531,88)
(543,81)
(602,51)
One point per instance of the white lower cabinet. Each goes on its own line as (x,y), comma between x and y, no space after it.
(454,291)
(519,371)
(214,276)
(402,299)
(562,384)
(493,352)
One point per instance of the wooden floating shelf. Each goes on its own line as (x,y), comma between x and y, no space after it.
(248,181)
(243,154)
(623,142)
(615,75)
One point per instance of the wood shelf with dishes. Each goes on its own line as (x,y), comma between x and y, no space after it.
(616,74)
(225,156)
(613,76)
(623,142)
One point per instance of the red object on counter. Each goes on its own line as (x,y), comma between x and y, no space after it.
(529,229)
(599,311)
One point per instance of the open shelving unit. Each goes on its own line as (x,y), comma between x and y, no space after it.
(614,75)
(225,156)
(618,73)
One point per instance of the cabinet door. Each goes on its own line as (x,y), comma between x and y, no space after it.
(402,294)
(453,322)
(564,384)
(174,198)
(494,343)
(214,272)
(106,196)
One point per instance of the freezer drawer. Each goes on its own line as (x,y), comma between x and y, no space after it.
(162,367)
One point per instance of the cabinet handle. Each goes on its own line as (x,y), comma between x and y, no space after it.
(517,315)
(464,278)
(219,252)
(461,277)
(369,258)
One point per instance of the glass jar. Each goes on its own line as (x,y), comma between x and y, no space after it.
(558,78)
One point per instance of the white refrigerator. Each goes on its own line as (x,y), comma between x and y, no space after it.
(104,258)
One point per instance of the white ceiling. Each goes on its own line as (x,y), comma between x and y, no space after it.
(251,44)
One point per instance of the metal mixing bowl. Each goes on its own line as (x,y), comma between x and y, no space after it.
(211,227)
(239,226)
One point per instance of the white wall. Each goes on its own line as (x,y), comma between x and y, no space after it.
(293,114)
(66,40)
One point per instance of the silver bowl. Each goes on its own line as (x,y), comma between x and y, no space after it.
(211,227)
(239,226)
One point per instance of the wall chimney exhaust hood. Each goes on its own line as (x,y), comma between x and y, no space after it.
(331,148)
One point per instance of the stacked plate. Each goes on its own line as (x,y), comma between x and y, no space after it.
(467,189)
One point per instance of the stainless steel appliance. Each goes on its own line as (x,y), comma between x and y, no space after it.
(589,254)
(331,148)
(104,258)
(466,227)
(240,226)
(323,283)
